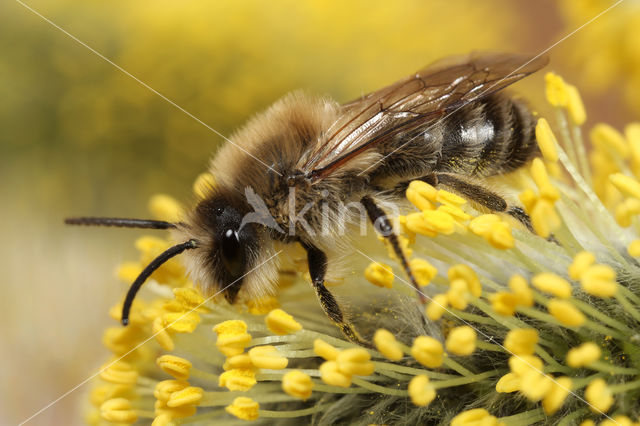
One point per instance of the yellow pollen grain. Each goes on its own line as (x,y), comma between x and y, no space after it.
(119,373)
(279,322)
(164,207)
(634,248)
(556,396)
(580,263)
(244,408)
(325,350)
(203,185)
(521,341)
(457,294)
(477,416)
(267,357)
(118,410)
(584,355)
(174,365)
(297,384)
(556,90)
(508,383)
(608,139)
(440,221)
(599,396)
(387,345)
(237,379)
(437,307)
(626,184)
(464,272)
(600,281)
(521,290)
(541,179)
(461,340)
(504,303)
(379,274)
(423,271)
(552,284)
(521,365)
(566,313)
(546,140)
(420,195)
(421,391)
(331,375)
(427,351)
(191,395)
(575,106)
(355,361)
(166,388)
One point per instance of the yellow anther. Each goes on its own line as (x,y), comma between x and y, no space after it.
(584,355)
(331,375)
(446,197)
(521,365)
(107,391)
(600,281)
(632,133)
(437,307)
(464,272)
(325,350)
(477,416)
(508,383)
(166,388)
(421,391)
(379,274)
(297,384)
(203,185)
(427,351)
(556,396)
(504,303)
(608,139)
(423,271)
(387,344)
(181,322)
(237,379)
(521,341)
(164,419)
(457,294)
(128,272)
(164,207)
(580,263)
(461,340)
(267,357)
(544,218)
(528,198)
(634,248)
(618,421)
(263,305)
(244,408)
(521,290)
(174,412)
(281,323)
(535,385)
(541,178)
(500,236)
(191,395)
(588,422)
(232,337)
(482,224)
(626,184)
(456,212)
(575,107)
(421,194)
(190,298)
(416,223)
(552,284)
(546,140)
(556,90)
(242,361)
(119,373)
(566,313)
(355,361)
(162,335)
(599,396)
(118,410)
(176,366)
(626,211)
(439,221)
(121,340)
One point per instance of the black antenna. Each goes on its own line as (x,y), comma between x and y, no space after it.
(119,222)
(155,264)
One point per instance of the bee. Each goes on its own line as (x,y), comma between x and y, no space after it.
(285,175)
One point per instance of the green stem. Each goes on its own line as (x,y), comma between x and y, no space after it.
(526,418)
(377,388)
(624,387)
(292,413)
(595,313)
(490,347)
(580,383)
(380,366)
(571,419)
(456,366)
(628,307)
(464,380)
(605,367)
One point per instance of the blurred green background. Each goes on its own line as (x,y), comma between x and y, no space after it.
(79,137)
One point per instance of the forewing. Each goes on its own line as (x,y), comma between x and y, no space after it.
(418,100)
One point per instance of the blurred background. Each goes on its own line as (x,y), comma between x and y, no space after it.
(79,137)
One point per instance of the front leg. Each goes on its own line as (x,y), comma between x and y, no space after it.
(317,269)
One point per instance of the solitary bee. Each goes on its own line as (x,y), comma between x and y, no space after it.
(284,176)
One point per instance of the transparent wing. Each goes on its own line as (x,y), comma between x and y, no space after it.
(418,100)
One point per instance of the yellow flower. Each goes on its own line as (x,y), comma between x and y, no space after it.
(461,340)
(421,391)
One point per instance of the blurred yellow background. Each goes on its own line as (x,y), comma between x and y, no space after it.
(79,137)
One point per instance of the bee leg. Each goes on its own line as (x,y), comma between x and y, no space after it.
(317,269)
(484,197)
(382,225)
